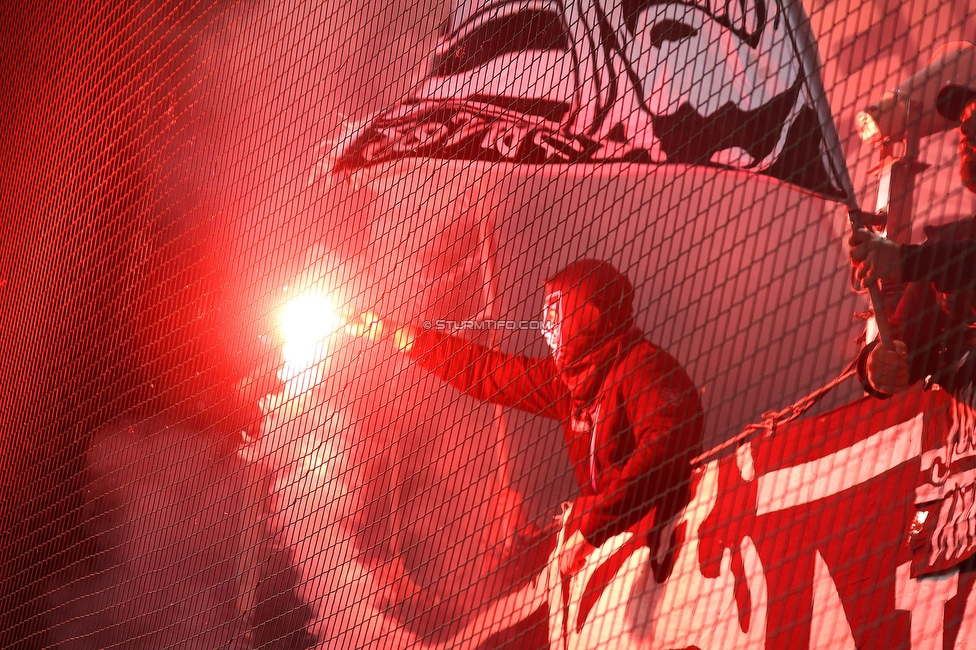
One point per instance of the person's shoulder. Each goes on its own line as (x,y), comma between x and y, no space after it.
(649,369)
(646,353)
(959,230)
(645,359)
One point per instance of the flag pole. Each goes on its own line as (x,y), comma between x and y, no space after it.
(805,45)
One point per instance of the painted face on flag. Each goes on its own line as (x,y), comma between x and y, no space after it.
(718,80)
(642,81)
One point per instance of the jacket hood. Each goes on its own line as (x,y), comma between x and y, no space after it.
(588,303)
(589,318)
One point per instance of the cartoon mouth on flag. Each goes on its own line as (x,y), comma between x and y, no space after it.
(597,81)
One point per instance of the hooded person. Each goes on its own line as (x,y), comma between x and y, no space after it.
(934,329)
(631,416)
(935,321)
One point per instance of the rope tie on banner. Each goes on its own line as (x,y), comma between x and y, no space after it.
(772,419)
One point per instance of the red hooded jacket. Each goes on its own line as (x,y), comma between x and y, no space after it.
(647,422)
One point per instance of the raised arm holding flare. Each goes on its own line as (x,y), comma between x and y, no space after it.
(631,416)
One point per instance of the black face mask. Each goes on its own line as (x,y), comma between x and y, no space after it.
(572,327)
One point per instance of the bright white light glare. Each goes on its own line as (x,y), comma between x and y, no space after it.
(307,320)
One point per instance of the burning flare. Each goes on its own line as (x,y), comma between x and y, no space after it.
(307,320)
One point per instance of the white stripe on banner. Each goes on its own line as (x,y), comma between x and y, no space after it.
(826,476)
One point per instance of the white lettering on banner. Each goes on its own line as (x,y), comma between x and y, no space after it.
(745,462)
(959,445)
(689,609)
(925,599)
(829,628)
(950,491)
(931,492)
(955,533)
(717,597)
(692,610)
(817,479)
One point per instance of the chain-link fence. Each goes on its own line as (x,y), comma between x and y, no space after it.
(487,324)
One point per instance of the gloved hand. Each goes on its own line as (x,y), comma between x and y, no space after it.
(887,368)
(875,257)
(371,327)
(366,325)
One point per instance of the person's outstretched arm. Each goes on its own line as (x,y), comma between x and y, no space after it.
(525,383)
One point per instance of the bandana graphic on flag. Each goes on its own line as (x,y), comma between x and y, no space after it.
(589,81)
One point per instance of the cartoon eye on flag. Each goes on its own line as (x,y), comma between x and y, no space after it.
(594,81)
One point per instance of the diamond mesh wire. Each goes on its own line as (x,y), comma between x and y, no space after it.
(273,353)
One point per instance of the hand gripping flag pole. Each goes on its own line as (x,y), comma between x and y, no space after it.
(805,45)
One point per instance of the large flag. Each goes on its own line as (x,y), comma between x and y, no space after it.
(589,81)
